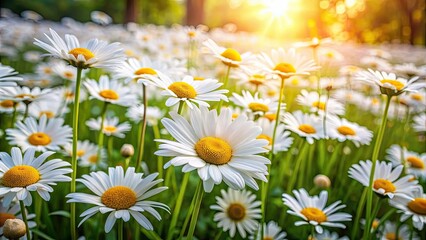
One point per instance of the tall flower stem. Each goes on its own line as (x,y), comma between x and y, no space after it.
(24,218)
(224,86)
(74,151)
(26,110)
(376,150)
(142,129)
(198,199)
(101,130)
(120,229)
(178,205)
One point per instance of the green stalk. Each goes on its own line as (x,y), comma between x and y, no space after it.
(142,129)
(224,86)
(302,154)
(120,229)
(74,151)
(24,218)
(37,209)
(178,205)
(358,214)
(101,130)
(198,199)
(187,218)
(26,110)
(12,124)
(110,147)
(377,145)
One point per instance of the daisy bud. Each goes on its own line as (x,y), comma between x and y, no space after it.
(14,228)
(127,150)
(322,181)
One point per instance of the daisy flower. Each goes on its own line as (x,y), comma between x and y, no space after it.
(189,90)
(313,211)
(49,108)
(13,211)
(110,127)
(376,63)
(287,63)
(321,104)
(389,83)
(255,104)
(229,56)
(342,130)
(65,71)
(26,94)
(8,76)
(21,174)
(110,91)
(419,123)
(8,106)
(415,163)
(121,194)
(100,18)
(217,146)
(385,181)
(135,70)
(94,53)
(413,207)
(44,134)
(153,114)
(237,210)
(271,232)
(403,230)
(282,138)
(327,235)
(87,153)
(305,125)
(256,79)
(409,70)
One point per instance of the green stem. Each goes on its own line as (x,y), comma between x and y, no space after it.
(12,123)
(142,129)
(198,200)
(26,110)
(376,151)
(24,218)
(120,229)
(224,86)
(384,219)
(304,148)
(160,159)
(358,214)
(178,206)
(37,209)
(187,218)
(110,147)
(180,109)
(74,151)
(101,130)
(277,116)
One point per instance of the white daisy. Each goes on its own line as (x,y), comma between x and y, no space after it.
(87,153)
(13,211)
(121,194)
(229,56)
(26,94)
(153,114)
(390,229)
(135,70)
(44,134)
(305,125)
(49,108)
(376,63)
(237,210)
(21,174)
(8,106)
(416,101)
(283,140)
(415,163)
(100,18)
(8,76)
(413,207)
(409,70)
(110,91)
(342,130)
(327,235)
(188,90)
(321,104)
(217,146)
(385,180)
(271,232)
(255,79)
(110,127)
(65,71)
(254,104)
(95,53)
(419,123)
(313,211)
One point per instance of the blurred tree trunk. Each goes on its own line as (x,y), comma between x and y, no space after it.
(131,11)
(194,12)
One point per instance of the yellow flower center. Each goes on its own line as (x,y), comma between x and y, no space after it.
(183,90)
(109,94)
(257,79)
(266,137)
(80,153)
(234,115)
(191,34)
(258,107)
(418,205)
(110,129)
(268,238)
(295,81)
(7,103)
(236,211)
(415,162)
(49,114)
(68,74)
(145,70)
(306,128)
(398,85)
(93,159)
(20,176)
(375,224)
(345,130)
(231,54)
(39,139)
(87,54)
(392,236)
(285,68)
(24,95)
(416,97)
(198,78)
(384,184)
(314,214)
(119,197)
(319,105)
(213,150)
(270,116)
(4,217)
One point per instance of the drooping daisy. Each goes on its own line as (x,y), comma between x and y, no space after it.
(111,126)
(153,114)
(342,130)
(94,53)
(8,76)
(321,104)
(121,194)
(217,146)
(254,104)
(390,230)
(237,210)
(188,90)
(413,207)
(313,211)
(282,138)
(21,174)
(389,83)
(305,125)
(271,232)
(419,123)
(110,91)
(87,153)
(44,134)
(414,163)
(26,94)
(385,180)
(229,56)
(13,211)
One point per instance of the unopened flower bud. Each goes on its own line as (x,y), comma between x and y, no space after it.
(14,228)
(127,150)
(322,181)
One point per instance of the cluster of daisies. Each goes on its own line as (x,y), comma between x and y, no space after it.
(270,121)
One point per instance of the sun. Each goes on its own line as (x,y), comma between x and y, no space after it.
(275,8)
